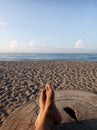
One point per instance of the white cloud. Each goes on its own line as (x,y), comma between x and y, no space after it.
(14,44)
(79,44)
(19,46)
(2,22)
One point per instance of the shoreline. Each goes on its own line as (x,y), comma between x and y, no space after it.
(21,81)
(32,60)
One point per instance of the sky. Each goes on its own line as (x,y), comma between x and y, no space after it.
(52,26)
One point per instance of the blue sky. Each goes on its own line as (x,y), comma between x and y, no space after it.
(48,26)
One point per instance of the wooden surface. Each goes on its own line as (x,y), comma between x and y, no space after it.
(78,110)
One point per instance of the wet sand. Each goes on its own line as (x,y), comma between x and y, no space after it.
(21,81)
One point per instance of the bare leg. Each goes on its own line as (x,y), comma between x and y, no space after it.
(48,110)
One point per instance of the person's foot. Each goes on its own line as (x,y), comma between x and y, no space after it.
(42,100)
(54,112)
(47,106)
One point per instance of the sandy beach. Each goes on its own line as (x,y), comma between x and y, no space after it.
(21,81)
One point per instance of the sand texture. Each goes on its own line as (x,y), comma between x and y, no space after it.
(21,81)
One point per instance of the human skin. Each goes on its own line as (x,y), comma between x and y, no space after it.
(48,110)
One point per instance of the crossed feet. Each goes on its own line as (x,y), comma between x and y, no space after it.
(48,110)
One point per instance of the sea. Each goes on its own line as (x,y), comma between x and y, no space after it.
(46,56)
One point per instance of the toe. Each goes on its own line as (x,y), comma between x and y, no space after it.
(48,87)
(50,90)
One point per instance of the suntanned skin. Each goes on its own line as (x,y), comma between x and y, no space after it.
(49,114)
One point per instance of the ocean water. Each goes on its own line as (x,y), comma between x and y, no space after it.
(46,56)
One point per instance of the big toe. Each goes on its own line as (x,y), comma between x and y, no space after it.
(49,90)
(49,85)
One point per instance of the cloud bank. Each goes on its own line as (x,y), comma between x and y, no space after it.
(32,47)
(17,46)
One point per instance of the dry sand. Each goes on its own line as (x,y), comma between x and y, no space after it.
(21,81)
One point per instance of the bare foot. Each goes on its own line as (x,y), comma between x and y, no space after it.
(42,100)
(54,112)
(43,121)
(45,102)
(48,108)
